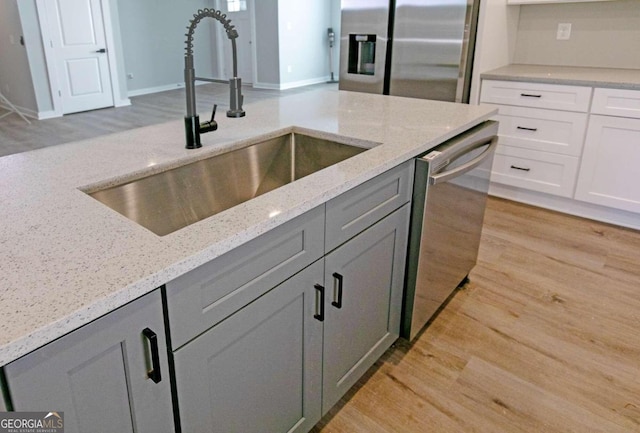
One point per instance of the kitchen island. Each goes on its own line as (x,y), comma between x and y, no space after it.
(68,260)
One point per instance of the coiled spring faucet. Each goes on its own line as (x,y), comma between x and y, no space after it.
(193,127)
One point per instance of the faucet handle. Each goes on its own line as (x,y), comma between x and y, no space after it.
(213,113)
(211,125)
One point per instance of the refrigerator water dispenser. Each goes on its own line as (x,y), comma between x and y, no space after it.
(362,54)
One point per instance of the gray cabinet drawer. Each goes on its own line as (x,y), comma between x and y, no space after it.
(203,297)
(355,210)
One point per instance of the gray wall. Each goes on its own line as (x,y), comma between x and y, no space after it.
(303,41)
(603,34)
(267,52)
(336,18)
(152,34)
(15,76)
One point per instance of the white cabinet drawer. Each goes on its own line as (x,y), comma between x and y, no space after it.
(551,131)
(536,95)
(609,174)
(616,102)
(536,171)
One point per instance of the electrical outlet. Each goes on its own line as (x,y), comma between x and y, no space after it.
(564,31)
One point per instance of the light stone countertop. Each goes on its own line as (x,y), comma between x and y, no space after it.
(67,259)
(569,75)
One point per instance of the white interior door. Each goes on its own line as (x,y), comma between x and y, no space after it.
(79,47)
(239,12)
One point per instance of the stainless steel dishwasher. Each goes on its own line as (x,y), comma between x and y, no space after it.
(449,199)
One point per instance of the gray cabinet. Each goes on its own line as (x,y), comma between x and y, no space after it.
(364,280)
(100,375)
(259,370)
(260,339)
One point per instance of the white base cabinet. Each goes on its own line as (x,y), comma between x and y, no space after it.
(610,170)
(101,375)
(563,150)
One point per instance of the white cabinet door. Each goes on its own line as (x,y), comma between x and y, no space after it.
(610,170)
(82,66)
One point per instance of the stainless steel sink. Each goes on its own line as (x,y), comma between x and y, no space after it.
(173,199)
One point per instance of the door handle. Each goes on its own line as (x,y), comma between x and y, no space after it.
(338,278)
(101,50)
(319,303)
(153,374)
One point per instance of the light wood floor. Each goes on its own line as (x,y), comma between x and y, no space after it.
(545,338)
(18,136)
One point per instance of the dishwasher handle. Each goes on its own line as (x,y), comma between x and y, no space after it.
(468,166)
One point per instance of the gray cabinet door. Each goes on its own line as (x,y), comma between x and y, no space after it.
(98,374)
(259,370)
(365,320)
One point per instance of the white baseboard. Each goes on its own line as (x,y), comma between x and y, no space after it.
(122,103)
(567,205)
(149,90)
(291,85)
(51,114)
(157,89)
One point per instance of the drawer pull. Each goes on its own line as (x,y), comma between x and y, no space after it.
(338,279)
(319,303)
(530,95)
(153,374)
(515,167)
(527,129)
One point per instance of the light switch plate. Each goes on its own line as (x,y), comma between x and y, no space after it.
(564,31)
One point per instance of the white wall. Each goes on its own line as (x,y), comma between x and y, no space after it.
(495,41)
(603,34)
(15,75)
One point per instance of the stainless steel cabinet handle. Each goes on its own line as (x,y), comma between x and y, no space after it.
(339,278)
(153,374)
(319,303)
(515,167)
(527,129)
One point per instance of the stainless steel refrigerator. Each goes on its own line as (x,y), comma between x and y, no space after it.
(415,48)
